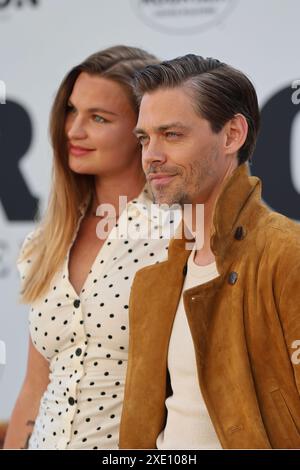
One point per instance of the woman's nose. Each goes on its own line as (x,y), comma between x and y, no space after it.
(76,129)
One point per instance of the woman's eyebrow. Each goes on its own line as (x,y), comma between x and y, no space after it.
(101,110)
(95,109)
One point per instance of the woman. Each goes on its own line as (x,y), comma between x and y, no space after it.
(77,283)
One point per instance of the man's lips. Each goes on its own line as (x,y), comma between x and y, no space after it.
(159,178)
(79,151)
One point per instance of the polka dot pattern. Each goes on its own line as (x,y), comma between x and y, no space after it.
(85,339)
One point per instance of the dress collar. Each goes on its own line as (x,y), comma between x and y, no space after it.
(141,205)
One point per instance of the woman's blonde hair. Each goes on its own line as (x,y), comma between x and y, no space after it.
(68,189)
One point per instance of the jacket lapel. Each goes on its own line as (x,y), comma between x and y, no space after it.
(153,303)
(216,321)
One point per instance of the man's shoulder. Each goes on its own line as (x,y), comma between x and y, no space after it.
(281,227)
(280,238)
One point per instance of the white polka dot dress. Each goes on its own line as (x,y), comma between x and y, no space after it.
(85,337)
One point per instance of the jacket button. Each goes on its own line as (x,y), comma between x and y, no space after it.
(76,303)
(239,233)
(78,351)
(232,278)
(71,401)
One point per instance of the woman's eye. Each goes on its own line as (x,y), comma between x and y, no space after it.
(70,108)
(98,118)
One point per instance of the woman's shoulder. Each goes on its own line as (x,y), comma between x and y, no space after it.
(30,239)
(26,252)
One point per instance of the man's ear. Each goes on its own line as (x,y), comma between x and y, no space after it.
(236,131)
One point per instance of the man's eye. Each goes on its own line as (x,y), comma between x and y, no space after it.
(172,134)
(98,118)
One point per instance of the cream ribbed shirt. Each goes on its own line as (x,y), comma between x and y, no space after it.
(188,424)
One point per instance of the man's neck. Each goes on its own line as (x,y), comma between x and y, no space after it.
(205,255)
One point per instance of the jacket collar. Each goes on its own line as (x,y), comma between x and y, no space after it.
(239,197)
(236,192)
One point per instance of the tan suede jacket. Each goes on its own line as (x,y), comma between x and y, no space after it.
(243,325)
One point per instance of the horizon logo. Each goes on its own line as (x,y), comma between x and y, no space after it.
(18,3)
(183,16)
(276,156)
(16,196)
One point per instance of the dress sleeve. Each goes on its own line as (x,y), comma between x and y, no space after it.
(23,261)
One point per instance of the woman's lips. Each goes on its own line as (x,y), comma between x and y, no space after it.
(79,151)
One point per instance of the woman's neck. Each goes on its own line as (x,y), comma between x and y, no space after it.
(108,189)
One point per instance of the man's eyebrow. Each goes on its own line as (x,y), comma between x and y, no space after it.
(96,109)
(171,125)
(138,131)
(163,128)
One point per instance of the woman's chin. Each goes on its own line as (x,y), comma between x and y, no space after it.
(81,168)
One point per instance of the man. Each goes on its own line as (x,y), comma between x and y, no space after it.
(213,331)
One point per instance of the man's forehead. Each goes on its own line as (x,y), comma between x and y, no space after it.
(165,108)
(165,95)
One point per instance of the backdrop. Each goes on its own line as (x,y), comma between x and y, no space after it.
(40,40)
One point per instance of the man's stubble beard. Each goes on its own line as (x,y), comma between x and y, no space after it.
(191,183)
(169,197)
(186,190)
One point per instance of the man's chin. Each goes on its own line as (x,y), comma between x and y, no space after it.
(165,199)
(169,196)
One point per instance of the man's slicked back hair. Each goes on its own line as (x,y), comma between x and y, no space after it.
(218,92)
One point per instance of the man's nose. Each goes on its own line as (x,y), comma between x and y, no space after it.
(153,155)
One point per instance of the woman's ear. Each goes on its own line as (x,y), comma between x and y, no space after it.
(236,131)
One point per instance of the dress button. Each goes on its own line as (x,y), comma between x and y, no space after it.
(71,401)
(232,278)
(76,303)
(239,233)
(78,351)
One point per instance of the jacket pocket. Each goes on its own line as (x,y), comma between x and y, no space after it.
(288,424)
